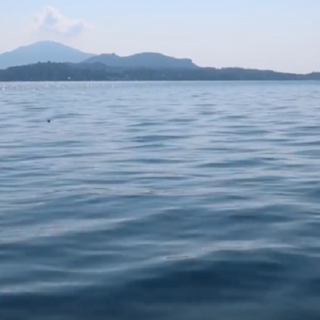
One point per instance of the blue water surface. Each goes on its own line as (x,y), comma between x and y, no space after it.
(160,200)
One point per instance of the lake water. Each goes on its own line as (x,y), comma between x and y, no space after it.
(172,200)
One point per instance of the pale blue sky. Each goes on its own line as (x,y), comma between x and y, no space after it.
(265,34)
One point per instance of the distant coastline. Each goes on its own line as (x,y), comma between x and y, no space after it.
(53,61)
(51,71)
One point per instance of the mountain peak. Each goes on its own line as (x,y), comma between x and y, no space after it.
(144,59)
(42,51)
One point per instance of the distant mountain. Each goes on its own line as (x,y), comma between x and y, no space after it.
(100,72)
(42,51)
(144,60)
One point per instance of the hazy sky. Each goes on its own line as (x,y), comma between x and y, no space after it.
(265,34)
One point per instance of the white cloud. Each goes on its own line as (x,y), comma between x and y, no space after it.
(51,22)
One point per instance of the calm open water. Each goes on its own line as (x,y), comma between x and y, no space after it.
(166,201)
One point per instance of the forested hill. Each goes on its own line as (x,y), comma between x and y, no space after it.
(100,72)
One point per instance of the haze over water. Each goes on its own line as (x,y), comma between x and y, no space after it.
(172,200)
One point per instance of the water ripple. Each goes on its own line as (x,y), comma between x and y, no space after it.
(163,200)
